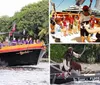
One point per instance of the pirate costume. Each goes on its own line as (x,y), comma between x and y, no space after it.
(68,61)
(84,19)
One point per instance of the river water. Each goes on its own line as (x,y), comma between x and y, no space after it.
(32,75)
(25,75)
(81,83)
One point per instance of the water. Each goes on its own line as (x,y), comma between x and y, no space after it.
(84,83)
(33,75)
(81,83)
(28,75)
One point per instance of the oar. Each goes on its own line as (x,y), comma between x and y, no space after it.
(57,68)
(54,62)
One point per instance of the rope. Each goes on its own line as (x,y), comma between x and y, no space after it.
(60,3)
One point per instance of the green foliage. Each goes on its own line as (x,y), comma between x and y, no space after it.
(33,18)
(91,55)
(57,52)
(4,23)
(91,60)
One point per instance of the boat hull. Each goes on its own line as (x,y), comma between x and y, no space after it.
(58,77)
(29,57)
(59,80)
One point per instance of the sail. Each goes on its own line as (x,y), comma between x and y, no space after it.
(97,5)
(79,2)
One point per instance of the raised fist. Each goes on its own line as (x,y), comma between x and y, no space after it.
(90,0)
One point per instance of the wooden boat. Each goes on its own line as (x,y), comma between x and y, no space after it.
(58,77)
(26,54)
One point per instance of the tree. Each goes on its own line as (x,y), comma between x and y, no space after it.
(91,55)
(33,18)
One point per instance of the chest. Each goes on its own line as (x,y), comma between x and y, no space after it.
(86,18)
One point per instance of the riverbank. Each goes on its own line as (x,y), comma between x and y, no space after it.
(91,68)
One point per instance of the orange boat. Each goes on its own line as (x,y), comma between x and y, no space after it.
(26,54)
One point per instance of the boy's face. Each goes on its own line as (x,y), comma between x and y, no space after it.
(86,13)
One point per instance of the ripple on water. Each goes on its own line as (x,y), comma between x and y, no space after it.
(37,76)
(82,83)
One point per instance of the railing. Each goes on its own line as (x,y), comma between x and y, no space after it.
(22,47)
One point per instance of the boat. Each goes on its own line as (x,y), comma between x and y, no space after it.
(58,77)
(26,54)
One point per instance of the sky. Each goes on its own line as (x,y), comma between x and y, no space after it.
(9,7)
(66,3)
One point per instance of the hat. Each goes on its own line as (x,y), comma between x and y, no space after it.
(70,48)
(85,8)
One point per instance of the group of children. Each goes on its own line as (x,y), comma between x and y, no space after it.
(64,24)
(67,25)
(70,24)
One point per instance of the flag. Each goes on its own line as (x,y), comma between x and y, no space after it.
(13,29)
(10,33)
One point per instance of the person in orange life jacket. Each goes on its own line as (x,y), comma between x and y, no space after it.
(71,20)
(64,26)
(92,22)
(68,25)
(84,19)
(68,62)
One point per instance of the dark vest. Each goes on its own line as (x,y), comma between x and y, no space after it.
(68,55)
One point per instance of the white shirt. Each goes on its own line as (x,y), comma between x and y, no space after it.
(67,67)
(76,55)
(84,18)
